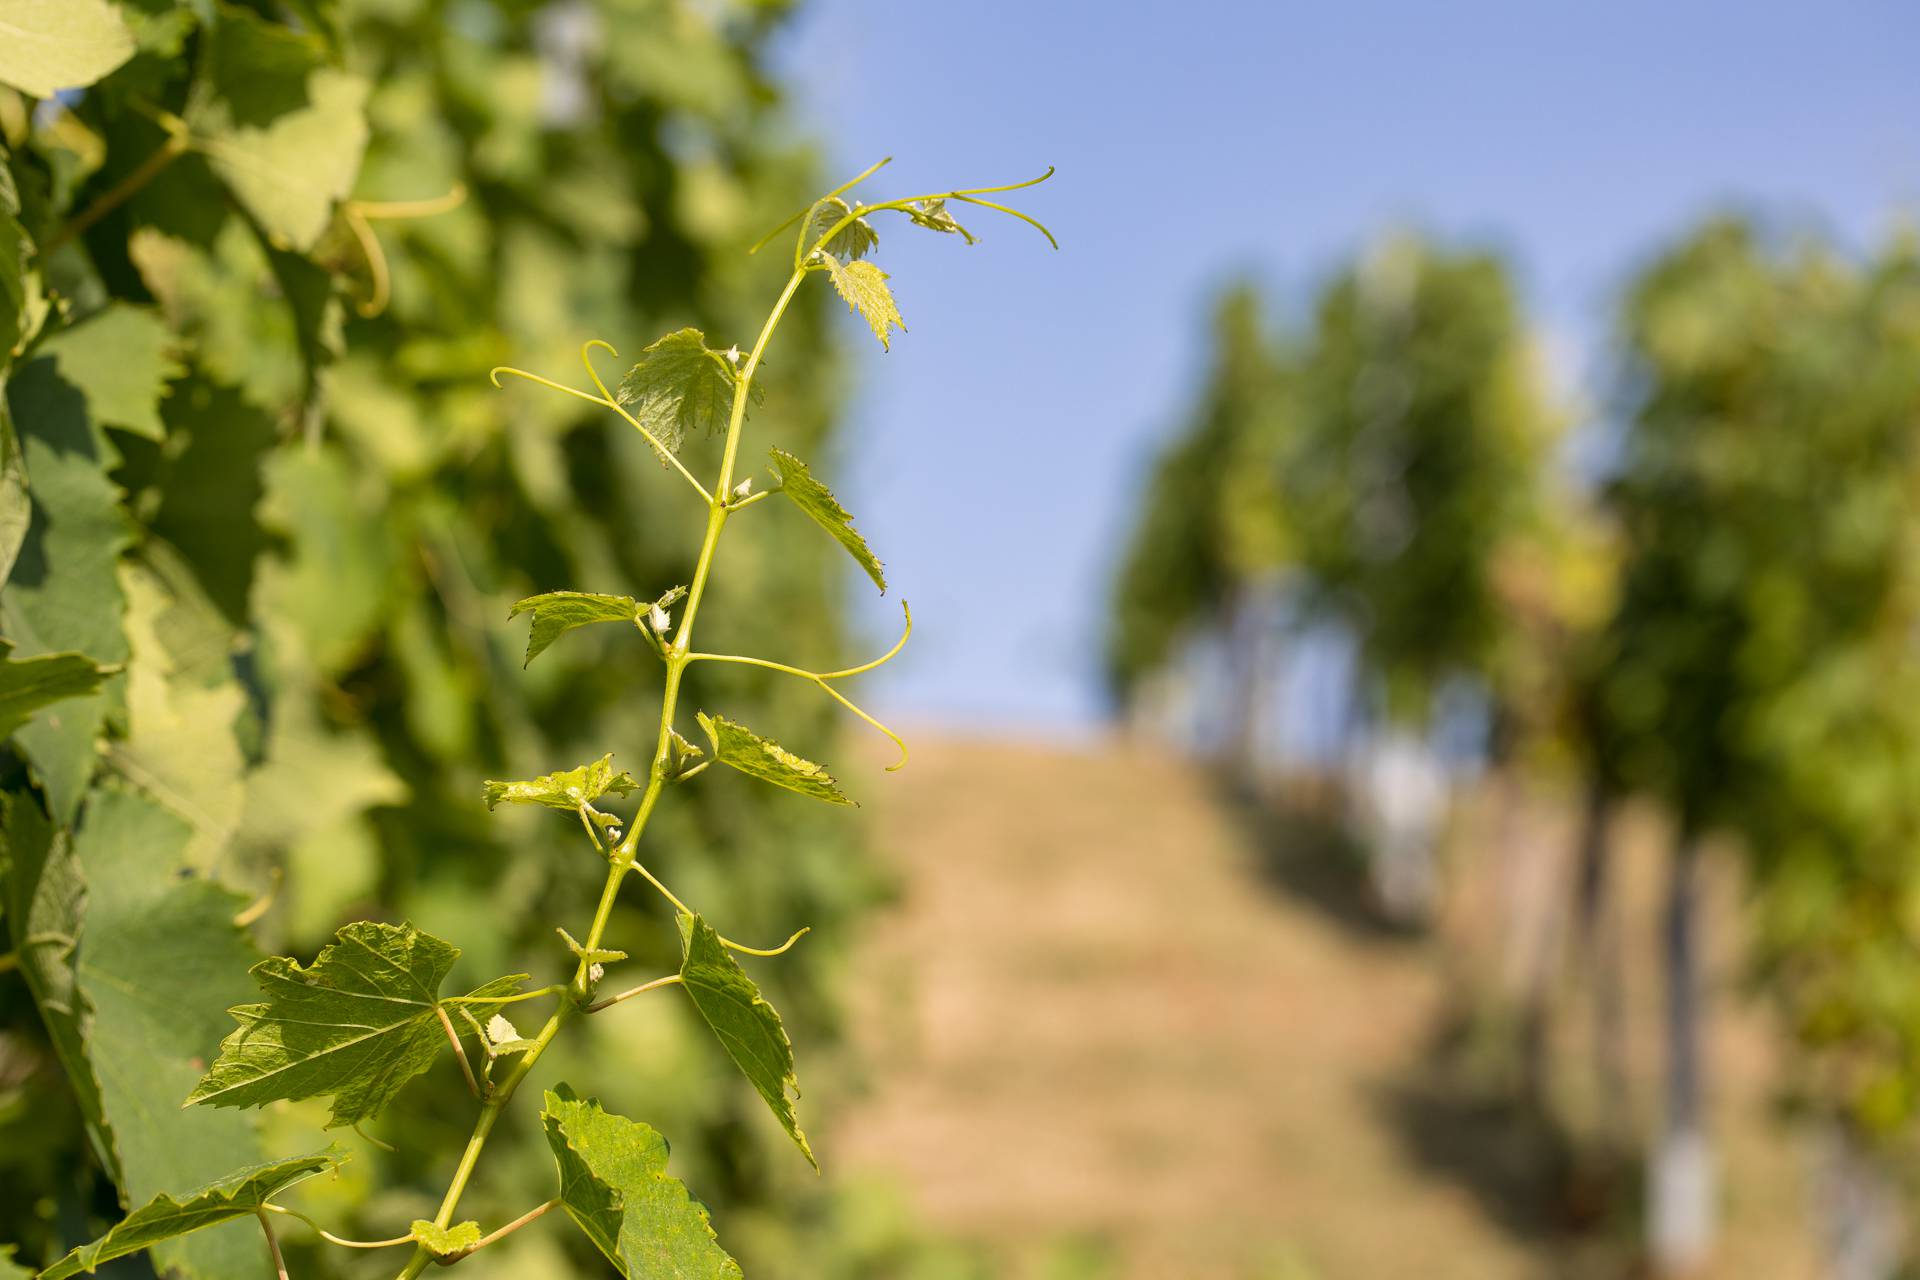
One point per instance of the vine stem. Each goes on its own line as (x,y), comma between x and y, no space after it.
(631,992)
(460,1054)
(622,858)
(273,1244)
(515,1225)
(178,142)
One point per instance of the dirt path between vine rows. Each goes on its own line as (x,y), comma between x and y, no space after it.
(1100,1039)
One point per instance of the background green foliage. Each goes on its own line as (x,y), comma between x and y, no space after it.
(295,530)
(1760,674)
(1428,436)
(1391,459)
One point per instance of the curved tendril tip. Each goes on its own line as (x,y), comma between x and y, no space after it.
(780,950)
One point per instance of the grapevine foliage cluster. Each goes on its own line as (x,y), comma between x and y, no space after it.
(257,507)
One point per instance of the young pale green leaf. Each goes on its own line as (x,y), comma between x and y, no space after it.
(9,1268)
(502,1037)
(558,612)
(854,241)
(574,789)
(679,386)
(684,754)
(33,683)
(455,1241)
(165,1217)
(357,1024)
(745,1024)
(615,1186)
(283,130)
(933,215)
(864,286)
(818,501)
(47,45)
(592,955)
(121,358)
(758,757)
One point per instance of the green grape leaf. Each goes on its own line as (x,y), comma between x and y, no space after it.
(16,505)
(557,612)
(33,683)
(818,501)
(9,1268)
(16,253)
(574,789)
(284,131)
(615,1186)
(42,893)
(158,958)
(47,45)
(318,313)
(121,358)
(854,241)
(209,494)
(758,757)
(356,1024)
(239,1194)
(864,286)
(933,215)
(228,296)
(745,1024)
(340,579)
(457,1240)
(182,702)
(64,594)
(679,386)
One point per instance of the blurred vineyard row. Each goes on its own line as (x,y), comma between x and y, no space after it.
(1384,556)
(255,274)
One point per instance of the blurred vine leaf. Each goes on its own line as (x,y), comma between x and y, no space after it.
(43,896)
(814,498)
(357,1024)
(65,591)
(182,706)
(680,386)
(165,1217)
(48,45)
(741,748)
(121,358)
(282,129)
(745,1024)
(33,683)
(615,1186)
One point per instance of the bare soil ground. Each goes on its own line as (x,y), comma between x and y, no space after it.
(1109,1006)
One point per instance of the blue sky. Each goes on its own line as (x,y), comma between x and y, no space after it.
(1002,439)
